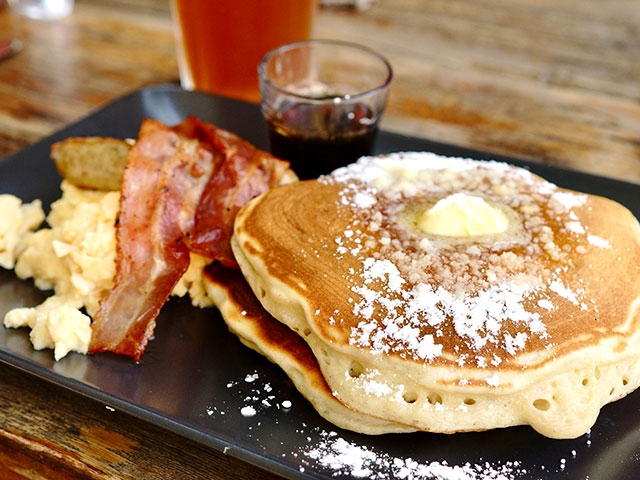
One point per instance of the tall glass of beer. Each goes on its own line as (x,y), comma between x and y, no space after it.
(220,42)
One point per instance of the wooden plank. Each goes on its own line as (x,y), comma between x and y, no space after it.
(51,433)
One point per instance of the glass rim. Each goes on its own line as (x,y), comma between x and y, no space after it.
(349,97)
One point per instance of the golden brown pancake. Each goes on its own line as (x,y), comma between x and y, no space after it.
(537,324)
(258,330)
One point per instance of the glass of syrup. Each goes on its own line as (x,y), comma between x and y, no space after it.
(322,101)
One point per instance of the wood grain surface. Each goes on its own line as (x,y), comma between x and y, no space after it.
(48,432)
(551,81)
(555,82)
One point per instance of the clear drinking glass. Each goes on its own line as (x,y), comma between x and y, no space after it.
(220,42)
(322,101)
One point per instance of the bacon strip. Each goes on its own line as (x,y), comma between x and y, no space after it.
(162,184)
(181,190)
(246,173)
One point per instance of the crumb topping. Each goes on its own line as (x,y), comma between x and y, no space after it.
(414,289)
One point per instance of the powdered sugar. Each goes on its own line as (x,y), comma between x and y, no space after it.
(413,290)
(568,200)
(326,453)
(370,384)
(574,227)
(558,287)
(258,398)
(248,411)
(478,319)
(344,458)
(598,241)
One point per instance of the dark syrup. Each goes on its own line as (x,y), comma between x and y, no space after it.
(318,140)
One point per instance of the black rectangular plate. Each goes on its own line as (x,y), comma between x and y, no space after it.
(196,378)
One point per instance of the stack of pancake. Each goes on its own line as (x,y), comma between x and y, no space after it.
(417,292)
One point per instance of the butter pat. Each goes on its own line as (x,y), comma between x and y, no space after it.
(462,215)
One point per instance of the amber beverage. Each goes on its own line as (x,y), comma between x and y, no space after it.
(220,43)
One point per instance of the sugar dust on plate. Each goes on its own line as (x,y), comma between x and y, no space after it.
(260,396)
(331,452)
(342,457)
(248,411)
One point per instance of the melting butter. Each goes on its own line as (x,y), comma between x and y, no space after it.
(462,215)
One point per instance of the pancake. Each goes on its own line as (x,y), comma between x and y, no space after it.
(259,331)
(537,323)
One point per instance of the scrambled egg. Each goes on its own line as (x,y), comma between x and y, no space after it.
(57,323)
(75,257)
(16,221)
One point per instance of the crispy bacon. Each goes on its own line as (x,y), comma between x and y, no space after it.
(181,190)
(162,184)
(245,173)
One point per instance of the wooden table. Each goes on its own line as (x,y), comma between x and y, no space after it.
(553,82)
